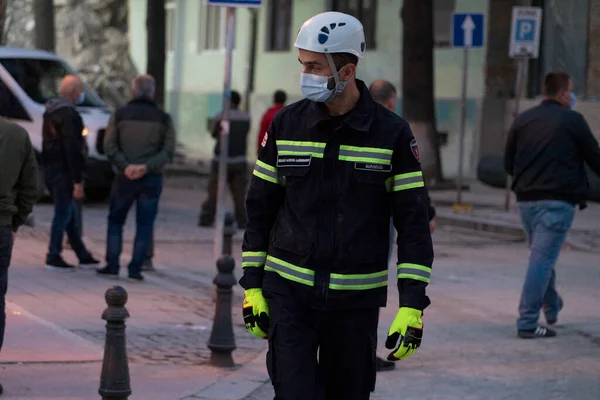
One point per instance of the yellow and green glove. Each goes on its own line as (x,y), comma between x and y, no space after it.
(256,313)
(406,331)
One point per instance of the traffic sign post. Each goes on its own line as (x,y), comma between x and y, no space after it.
(224,134)
(524,44)
(468,31)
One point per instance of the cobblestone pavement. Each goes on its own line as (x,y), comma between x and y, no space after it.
(170,323)
(469,352)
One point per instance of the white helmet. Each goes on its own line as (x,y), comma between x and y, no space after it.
(332,32)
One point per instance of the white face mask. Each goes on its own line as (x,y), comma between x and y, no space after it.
(315,87)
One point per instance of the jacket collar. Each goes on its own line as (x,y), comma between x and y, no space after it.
(142,100)
(551,101)
(359,118)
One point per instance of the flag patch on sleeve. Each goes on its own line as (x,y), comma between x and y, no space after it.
(415,149)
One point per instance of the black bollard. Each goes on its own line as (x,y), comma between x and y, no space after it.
(228,232)
(114,381)
(222,340)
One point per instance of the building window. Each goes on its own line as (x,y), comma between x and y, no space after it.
(212,28)
(442,22)
(279,25)
(365,11)
(170,14)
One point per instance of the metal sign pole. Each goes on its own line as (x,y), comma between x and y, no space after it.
(522,61)
(463,125)
(224,136)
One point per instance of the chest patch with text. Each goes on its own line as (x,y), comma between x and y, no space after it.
(293,161)
(373,167)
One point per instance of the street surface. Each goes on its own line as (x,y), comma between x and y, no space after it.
(469,351)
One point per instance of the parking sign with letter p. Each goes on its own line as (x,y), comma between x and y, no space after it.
(525,32)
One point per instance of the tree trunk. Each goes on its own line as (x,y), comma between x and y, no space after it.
(156,46)
(3,8)
(43,11)
(418,102)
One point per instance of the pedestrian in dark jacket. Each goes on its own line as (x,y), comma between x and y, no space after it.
(386,94)
(237,164)
(63,159)
(546,152)
(139,142)
(18,194)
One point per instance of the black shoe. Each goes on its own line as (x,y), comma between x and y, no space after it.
(148,265)
(384,365)
(89,262)
(206,220)
(59,265)
(1,389)
(539,332)
(136,278)
(553,321)
(107,272)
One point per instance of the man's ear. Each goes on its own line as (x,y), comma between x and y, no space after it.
(348,71)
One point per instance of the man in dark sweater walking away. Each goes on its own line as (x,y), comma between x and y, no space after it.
(237,164)
(63,158)
(546,152)
(139,142)
(18,194)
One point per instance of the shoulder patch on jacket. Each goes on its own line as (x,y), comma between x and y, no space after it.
(264,141)
(415,149)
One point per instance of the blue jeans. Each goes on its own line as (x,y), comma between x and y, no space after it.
(66,216)
(6,244)
(145,192)
(546,223)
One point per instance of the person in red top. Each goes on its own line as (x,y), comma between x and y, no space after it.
(279,98)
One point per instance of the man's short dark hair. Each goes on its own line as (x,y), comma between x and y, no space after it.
(236,99)
(555,82)
(382,91)
(279,97)
(342,59)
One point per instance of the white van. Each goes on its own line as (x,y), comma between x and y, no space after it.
(28,78)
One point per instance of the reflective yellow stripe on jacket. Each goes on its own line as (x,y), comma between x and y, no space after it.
(296,148)
(306,276)
(365,154)
(414,271)
(253,258)
(266,172)
(406,181)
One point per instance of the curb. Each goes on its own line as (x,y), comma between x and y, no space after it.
(239,384)
(504,228)
(480,224)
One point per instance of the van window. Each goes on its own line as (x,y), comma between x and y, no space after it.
(10,106)
(40,79)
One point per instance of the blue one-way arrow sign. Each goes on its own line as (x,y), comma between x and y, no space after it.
(468,30)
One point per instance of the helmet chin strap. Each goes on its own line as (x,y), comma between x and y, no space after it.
(336,76)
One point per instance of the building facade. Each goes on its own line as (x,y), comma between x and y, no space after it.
(196,59)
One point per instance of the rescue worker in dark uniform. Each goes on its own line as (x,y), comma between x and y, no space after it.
(333,168)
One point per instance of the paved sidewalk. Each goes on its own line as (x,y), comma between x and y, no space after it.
(488,215)
(55,336)
(470,350)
